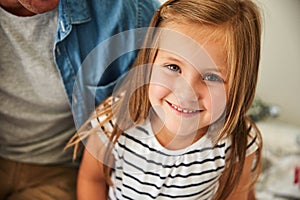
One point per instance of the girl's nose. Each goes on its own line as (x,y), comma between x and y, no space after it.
(189,89)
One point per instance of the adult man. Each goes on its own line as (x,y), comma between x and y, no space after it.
(43,45)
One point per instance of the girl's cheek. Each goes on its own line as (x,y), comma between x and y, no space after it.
(157,92)
(218,103)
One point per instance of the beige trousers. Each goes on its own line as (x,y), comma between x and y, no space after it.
(19,181)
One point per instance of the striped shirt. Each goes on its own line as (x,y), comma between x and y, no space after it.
(145,170)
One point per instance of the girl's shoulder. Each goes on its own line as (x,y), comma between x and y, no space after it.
(253,140)
(103,122)
(103,127)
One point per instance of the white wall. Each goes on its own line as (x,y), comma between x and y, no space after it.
(279,79)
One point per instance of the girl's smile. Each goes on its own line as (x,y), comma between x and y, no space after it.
(185,112)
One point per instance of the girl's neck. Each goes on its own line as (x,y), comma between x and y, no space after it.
(174,141)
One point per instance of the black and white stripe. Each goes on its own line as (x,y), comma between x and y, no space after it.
(146,170)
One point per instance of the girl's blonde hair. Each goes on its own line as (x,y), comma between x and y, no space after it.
(240,25)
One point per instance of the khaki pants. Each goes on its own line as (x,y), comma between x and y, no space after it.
(19,181)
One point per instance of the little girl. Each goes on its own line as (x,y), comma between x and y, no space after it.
(176,127)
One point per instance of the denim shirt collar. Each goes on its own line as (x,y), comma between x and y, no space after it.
(71,12)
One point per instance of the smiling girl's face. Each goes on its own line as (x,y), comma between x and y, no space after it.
(188,83)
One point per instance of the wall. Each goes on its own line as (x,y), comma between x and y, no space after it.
(279,78)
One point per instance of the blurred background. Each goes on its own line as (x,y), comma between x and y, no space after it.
(279,79)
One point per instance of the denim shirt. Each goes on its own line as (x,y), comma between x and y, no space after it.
(89,55)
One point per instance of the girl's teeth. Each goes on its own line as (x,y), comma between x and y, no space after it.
(183,110)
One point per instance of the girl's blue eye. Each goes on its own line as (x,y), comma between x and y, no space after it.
(173,67)
(213,77)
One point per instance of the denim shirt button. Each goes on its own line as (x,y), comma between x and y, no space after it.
(62,26)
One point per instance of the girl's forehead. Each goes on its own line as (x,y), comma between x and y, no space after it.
(197,31)
(193,44)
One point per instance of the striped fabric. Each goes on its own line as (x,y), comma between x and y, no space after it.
(146,170)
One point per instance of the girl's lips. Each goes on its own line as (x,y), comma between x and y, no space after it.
(183,110)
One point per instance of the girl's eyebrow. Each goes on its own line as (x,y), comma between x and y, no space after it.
(219,69)
(172,58)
